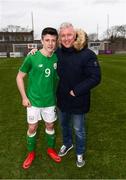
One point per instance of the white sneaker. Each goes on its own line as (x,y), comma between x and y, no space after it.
(80,161)
(64,150)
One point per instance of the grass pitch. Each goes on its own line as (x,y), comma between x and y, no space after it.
(106,129)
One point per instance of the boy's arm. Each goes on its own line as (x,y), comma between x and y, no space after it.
(20,84)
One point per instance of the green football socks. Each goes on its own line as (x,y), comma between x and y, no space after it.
(31,143)
(50,140)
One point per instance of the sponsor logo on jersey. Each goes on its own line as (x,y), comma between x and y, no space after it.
(55,65)
(40,65)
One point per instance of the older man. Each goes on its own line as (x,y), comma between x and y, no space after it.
(79,72)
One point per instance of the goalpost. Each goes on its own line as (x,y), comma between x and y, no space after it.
(32,46)
(20,50)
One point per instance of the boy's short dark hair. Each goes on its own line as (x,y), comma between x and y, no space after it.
(49,30)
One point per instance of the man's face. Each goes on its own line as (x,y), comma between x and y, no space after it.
(49,43)
(67,37)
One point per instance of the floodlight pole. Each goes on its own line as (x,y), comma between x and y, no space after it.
(32,24)
(97,31)
(107,26)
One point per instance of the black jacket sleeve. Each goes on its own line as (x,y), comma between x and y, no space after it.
(92,76)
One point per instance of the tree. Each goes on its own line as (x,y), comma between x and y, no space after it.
(115,32)
(15,28)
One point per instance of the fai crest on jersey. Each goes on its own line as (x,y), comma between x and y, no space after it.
(55,65)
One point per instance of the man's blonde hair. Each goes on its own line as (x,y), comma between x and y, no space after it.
(65,25)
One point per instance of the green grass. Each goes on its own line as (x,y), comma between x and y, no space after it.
(106,129)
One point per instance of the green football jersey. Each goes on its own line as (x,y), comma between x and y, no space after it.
(42,79)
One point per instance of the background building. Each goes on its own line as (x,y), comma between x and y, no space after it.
(15,42)
(18,44)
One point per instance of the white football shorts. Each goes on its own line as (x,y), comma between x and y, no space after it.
(35,114)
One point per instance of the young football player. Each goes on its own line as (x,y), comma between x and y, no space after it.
(40,99)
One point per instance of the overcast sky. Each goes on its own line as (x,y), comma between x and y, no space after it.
(91,15)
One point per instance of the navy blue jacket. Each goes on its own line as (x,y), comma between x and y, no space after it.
(78,71)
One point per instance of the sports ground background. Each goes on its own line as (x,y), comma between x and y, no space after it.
(106,129)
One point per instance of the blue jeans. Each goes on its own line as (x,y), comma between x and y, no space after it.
(77,121)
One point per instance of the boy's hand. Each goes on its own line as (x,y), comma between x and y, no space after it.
(26,102)
(33,51)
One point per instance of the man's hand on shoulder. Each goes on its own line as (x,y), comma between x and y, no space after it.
(33,51)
